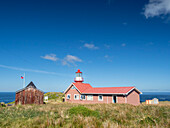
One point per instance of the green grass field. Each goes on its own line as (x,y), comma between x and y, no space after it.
(54,97)
(89,115)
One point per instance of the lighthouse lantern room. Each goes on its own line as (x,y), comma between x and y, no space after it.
(79,77)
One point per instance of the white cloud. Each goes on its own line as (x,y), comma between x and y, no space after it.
(50,57)
(69,59)
(30,70)
(90,46)
(108,58)
(123,45)
(157,8)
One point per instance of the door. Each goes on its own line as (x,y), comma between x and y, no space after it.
(114,99)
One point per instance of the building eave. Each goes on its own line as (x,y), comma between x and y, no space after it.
(107,93)
(133,89)
(27,88)
(70,87)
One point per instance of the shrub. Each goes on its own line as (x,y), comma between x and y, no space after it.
(2,104)
(148,120)
(81,110)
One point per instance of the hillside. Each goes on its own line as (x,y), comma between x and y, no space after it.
(54,97)
(76,115)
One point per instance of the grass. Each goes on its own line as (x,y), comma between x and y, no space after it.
(54,97)
(11,102)
(89,115)
(81,110)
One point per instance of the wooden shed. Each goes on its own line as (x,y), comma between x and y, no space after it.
(29,95)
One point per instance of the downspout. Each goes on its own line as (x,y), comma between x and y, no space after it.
(125,98)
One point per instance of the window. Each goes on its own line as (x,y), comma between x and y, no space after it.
(89,97)
(100,98)
(83,97)
(68,96)
(78,74)
(76,96)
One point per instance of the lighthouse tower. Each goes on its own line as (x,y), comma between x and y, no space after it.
(79,77)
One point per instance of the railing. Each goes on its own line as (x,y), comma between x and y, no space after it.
(78,79)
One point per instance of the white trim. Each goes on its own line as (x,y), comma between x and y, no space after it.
(81,98)
(70,87)
(73,87)
(99,99)
(78,97)
(90,95)
(132,90)
(105,93)
(70,96)
(77,89)
(112,98)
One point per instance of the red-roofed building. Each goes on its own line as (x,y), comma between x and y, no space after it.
(79,92)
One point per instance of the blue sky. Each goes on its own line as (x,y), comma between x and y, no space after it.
(113,42)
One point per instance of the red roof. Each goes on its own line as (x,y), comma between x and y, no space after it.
(108,90)
(86,88)
(78,71)
(82,86)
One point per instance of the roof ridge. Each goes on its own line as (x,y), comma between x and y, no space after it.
(27,88)
(114,87)
(31,84)
(83,89)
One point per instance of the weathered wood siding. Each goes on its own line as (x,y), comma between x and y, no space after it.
(29,96)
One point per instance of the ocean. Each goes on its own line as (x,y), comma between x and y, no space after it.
(162,96)
(7,97)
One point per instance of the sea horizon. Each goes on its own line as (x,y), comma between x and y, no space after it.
(8,97)
(141,91)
